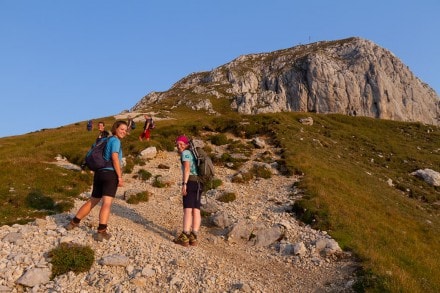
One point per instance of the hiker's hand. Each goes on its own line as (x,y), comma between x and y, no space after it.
(120,182)
(184,189)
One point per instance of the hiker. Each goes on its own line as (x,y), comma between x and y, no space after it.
(191,192)
(102,131)
(148,125)
(89,125)
(129,124)
(105,183)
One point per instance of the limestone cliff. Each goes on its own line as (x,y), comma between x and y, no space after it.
(352,76)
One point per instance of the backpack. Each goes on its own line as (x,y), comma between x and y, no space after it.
(95,156)
(133,125)
(152,126)
(205,167)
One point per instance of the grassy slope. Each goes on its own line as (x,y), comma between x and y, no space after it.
(346,161)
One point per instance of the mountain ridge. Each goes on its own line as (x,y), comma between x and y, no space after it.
(351,76)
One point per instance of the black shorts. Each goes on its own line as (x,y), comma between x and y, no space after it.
(105,182)
(192,199)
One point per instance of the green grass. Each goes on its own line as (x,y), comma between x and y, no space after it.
(346,161)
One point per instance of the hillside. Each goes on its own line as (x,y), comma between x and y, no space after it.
(351,76)
(355,184)
(141,256)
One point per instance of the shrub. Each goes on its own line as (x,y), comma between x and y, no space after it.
(71,257)
(144,174)
(129,165)
(139,197)
(227,197)
(262,172)
(243,177)
(212,184)
(219,139)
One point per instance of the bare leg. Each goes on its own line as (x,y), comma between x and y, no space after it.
(196,220)
(187,220)
(104,213)
(87,207)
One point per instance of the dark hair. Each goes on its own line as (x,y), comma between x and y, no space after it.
(117,124)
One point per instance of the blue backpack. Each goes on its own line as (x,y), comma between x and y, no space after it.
(95,156)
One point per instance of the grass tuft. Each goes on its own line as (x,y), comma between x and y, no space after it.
(71,257)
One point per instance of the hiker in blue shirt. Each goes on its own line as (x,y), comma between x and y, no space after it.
(105,184)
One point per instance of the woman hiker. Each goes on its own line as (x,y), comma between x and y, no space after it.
(191,193)
(105,183)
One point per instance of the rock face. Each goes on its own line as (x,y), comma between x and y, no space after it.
(352,76)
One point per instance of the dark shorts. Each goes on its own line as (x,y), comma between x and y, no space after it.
(105,182)
(192,199)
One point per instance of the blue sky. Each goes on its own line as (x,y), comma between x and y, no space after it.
(68,61)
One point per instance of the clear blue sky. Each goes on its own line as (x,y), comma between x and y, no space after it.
(68,61)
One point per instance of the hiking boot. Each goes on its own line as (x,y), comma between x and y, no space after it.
(192,239)
(71,226)
(182,240)
(101,235)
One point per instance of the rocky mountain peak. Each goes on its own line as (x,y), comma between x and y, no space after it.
(352,76)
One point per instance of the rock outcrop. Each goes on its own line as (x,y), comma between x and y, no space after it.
(352,76)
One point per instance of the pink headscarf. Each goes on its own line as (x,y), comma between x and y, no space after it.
(183,139)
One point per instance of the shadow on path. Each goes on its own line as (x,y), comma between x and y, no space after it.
(131,214)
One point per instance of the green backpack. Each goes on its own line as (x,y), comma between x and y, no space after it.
(205,167)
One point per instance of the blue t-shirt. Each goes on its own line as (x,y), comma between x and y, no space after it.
(113,146)
(188,156)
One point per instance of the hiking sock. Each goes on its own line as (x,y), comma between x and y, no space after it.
(186,233)
(195,233)
(102,227)
(76,220)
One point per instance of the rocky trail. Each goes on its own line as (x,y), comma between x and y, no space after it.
(141,257)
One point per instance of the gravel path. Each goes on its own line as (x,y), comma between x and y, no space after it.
(142,236)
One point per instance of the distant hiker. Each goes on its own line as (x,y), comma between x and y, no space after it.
(89,125)
(148,125)
(191,192)
(130,124)
(102,131)
(105,184)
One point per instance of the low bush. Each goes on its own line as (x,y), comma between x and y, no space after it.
(71,257)
(227,197)
(139,197)
(144,174)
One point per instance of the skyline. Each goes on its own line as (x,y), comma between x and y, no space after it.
(67,62)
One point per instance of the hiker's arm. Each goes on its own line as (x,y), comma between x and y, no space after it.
(185,176)
(117,166)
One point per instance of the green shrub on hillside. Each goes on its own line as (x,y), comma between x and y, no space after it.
(144,175)
(71,257)
(139,197)
(227,197)
(219,139)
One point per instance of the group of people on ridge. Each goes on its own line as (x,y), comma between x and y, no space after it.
(107,180)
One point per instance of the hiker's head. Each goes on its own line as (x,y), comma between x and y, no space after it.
(119,129)
(101,126)
(182,143)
